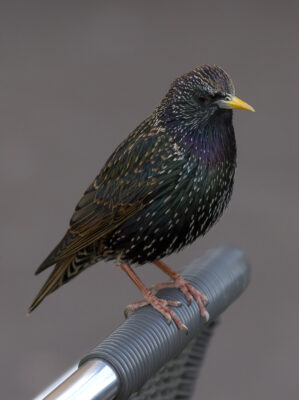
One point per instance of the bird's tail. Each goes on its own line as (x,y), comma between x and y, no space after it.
(63,272)
(57,278)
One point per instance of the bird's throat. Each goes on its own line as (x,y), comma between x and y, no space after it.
(210,143)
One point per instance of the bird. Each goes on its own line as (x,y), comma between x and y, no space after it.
(164,186)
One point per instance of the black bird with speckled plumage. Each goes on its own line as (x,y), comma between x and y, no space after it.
(164,186)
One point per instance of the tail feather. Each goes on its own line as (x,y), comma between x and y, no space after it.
(56,279)
(63,272)
(54,255)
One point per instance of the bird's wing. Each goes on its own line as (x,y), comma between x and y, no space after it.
(122,188)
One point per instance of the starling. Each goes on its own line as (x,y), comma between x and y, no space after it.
(164,186)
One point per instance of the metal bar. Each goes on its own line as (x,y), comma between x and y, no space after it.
(93,380)
(125,360)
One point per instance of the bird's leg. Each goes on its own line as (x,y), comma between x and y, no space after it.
(186,287)
(160,305)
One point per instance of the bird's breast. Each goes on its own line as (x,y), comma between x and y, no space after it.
(197,201)
(194,202)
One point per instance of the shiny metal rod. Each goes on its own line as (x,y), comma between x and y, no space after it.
(95,380)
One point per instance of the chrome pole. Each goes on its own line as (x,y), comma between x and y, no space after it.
(94,380)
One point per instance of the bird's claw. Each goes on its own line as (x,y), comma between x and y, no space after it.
(189,291)
(160,305)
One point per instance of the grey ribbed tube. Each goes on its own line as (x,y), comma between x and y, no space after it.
(176,380)
(144,342)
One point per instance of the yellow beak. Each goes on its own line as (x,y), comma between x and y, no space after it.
(235,102)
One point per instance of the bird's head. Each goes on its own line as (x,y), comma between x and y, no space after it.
(194,98)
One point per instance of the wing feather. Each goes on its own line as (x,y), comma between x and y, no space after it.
(122,188)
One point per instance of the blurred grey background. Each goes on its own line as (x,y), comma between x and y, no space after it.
(76,77)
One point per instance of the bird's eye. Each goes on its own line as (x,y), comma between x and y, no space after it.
(202,100)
